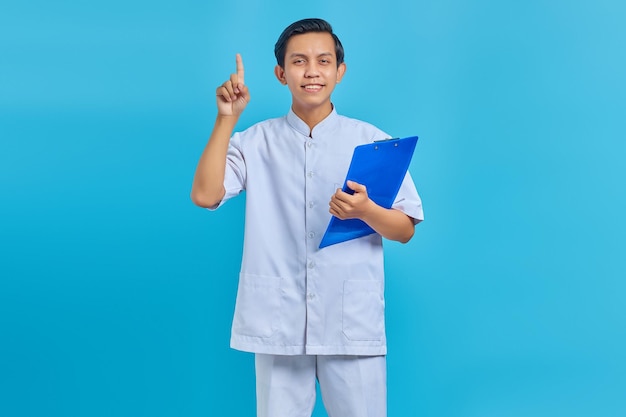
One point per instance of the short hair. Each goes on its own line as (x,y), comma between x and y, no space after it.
(301,27)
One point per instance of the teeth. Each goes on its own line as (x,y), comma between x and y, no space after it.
(312,87)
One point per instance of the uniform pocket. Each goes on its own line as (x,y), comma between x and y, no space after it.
(258,305)
(363,315)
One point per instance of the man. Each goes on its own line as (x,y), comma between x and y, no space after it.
(306,313)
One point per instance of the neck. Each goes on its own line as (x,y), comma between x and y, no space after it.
(312,116)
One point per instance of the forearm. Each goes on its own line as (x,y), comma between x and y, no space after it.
(391,224)
(208,183)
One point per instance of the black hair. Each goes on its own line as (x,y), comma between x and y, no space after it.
(305,26)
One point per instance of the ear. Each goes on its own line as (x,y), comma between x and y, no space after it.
(341,70)
(279,72)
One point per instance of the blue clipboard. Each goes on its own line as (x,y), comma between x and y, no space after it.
(381,167)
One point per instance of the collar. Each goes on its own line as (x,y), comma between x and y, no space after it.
(328,123)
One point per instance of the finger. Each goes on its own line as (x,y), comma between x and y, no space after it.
(234,79)
(337,215)
(356,187)
(245,93)
(223,93)
(338,206)
(239,61)
(342,198)
(228,86)
(335,211)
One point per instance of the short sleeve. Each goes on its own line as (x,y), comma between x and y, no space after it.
(235,173)
(408,200)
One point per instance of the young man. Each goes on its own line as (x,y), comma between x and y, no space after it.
(306,313)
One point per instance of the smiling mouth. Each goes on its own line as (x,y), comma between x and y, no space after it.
(312,87)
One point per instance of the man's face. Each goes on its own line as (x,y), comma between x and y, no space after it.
(310,71)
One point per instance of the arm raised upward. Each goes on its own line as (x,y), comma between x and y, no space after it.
(232,98)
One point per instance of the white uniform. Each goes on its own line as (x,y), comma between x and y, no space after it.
(294,298)
(308,313)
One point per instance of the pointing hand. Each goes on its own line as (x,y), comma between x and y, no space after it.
(233,95)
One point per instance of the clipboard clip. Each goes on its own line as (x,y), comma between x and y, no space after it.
(384,140)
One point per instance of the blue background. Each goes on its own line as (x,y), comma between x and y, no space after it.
(116,293)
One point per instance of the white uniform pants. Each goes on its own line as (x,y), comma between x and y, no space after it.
(351,386)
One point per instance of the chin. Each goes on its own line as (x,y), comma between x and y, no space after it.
(314,101)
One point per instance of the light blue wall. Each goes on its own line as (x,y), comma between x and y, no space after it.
(116,293)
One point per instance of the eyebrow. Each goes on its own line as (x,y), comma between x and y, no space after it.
(298,55)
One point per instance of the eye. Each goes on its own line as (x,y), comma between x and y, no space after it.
(324,61)
(298,61)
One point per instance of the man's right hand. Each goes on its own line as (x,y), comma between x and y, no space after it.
(233,95)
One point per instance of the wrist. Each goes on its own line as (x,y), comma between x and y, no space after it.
(229,119)
(370,212)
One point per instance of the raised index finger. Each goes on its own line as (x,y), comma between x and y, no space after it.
(239,69)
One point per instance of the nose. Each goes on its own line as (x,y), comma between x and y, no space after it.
(312,70)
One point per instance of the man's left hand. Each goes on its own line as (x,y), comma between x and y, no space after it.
(351,206)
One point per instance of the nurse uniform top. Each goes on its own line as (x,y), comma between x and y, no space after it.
(294,298)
